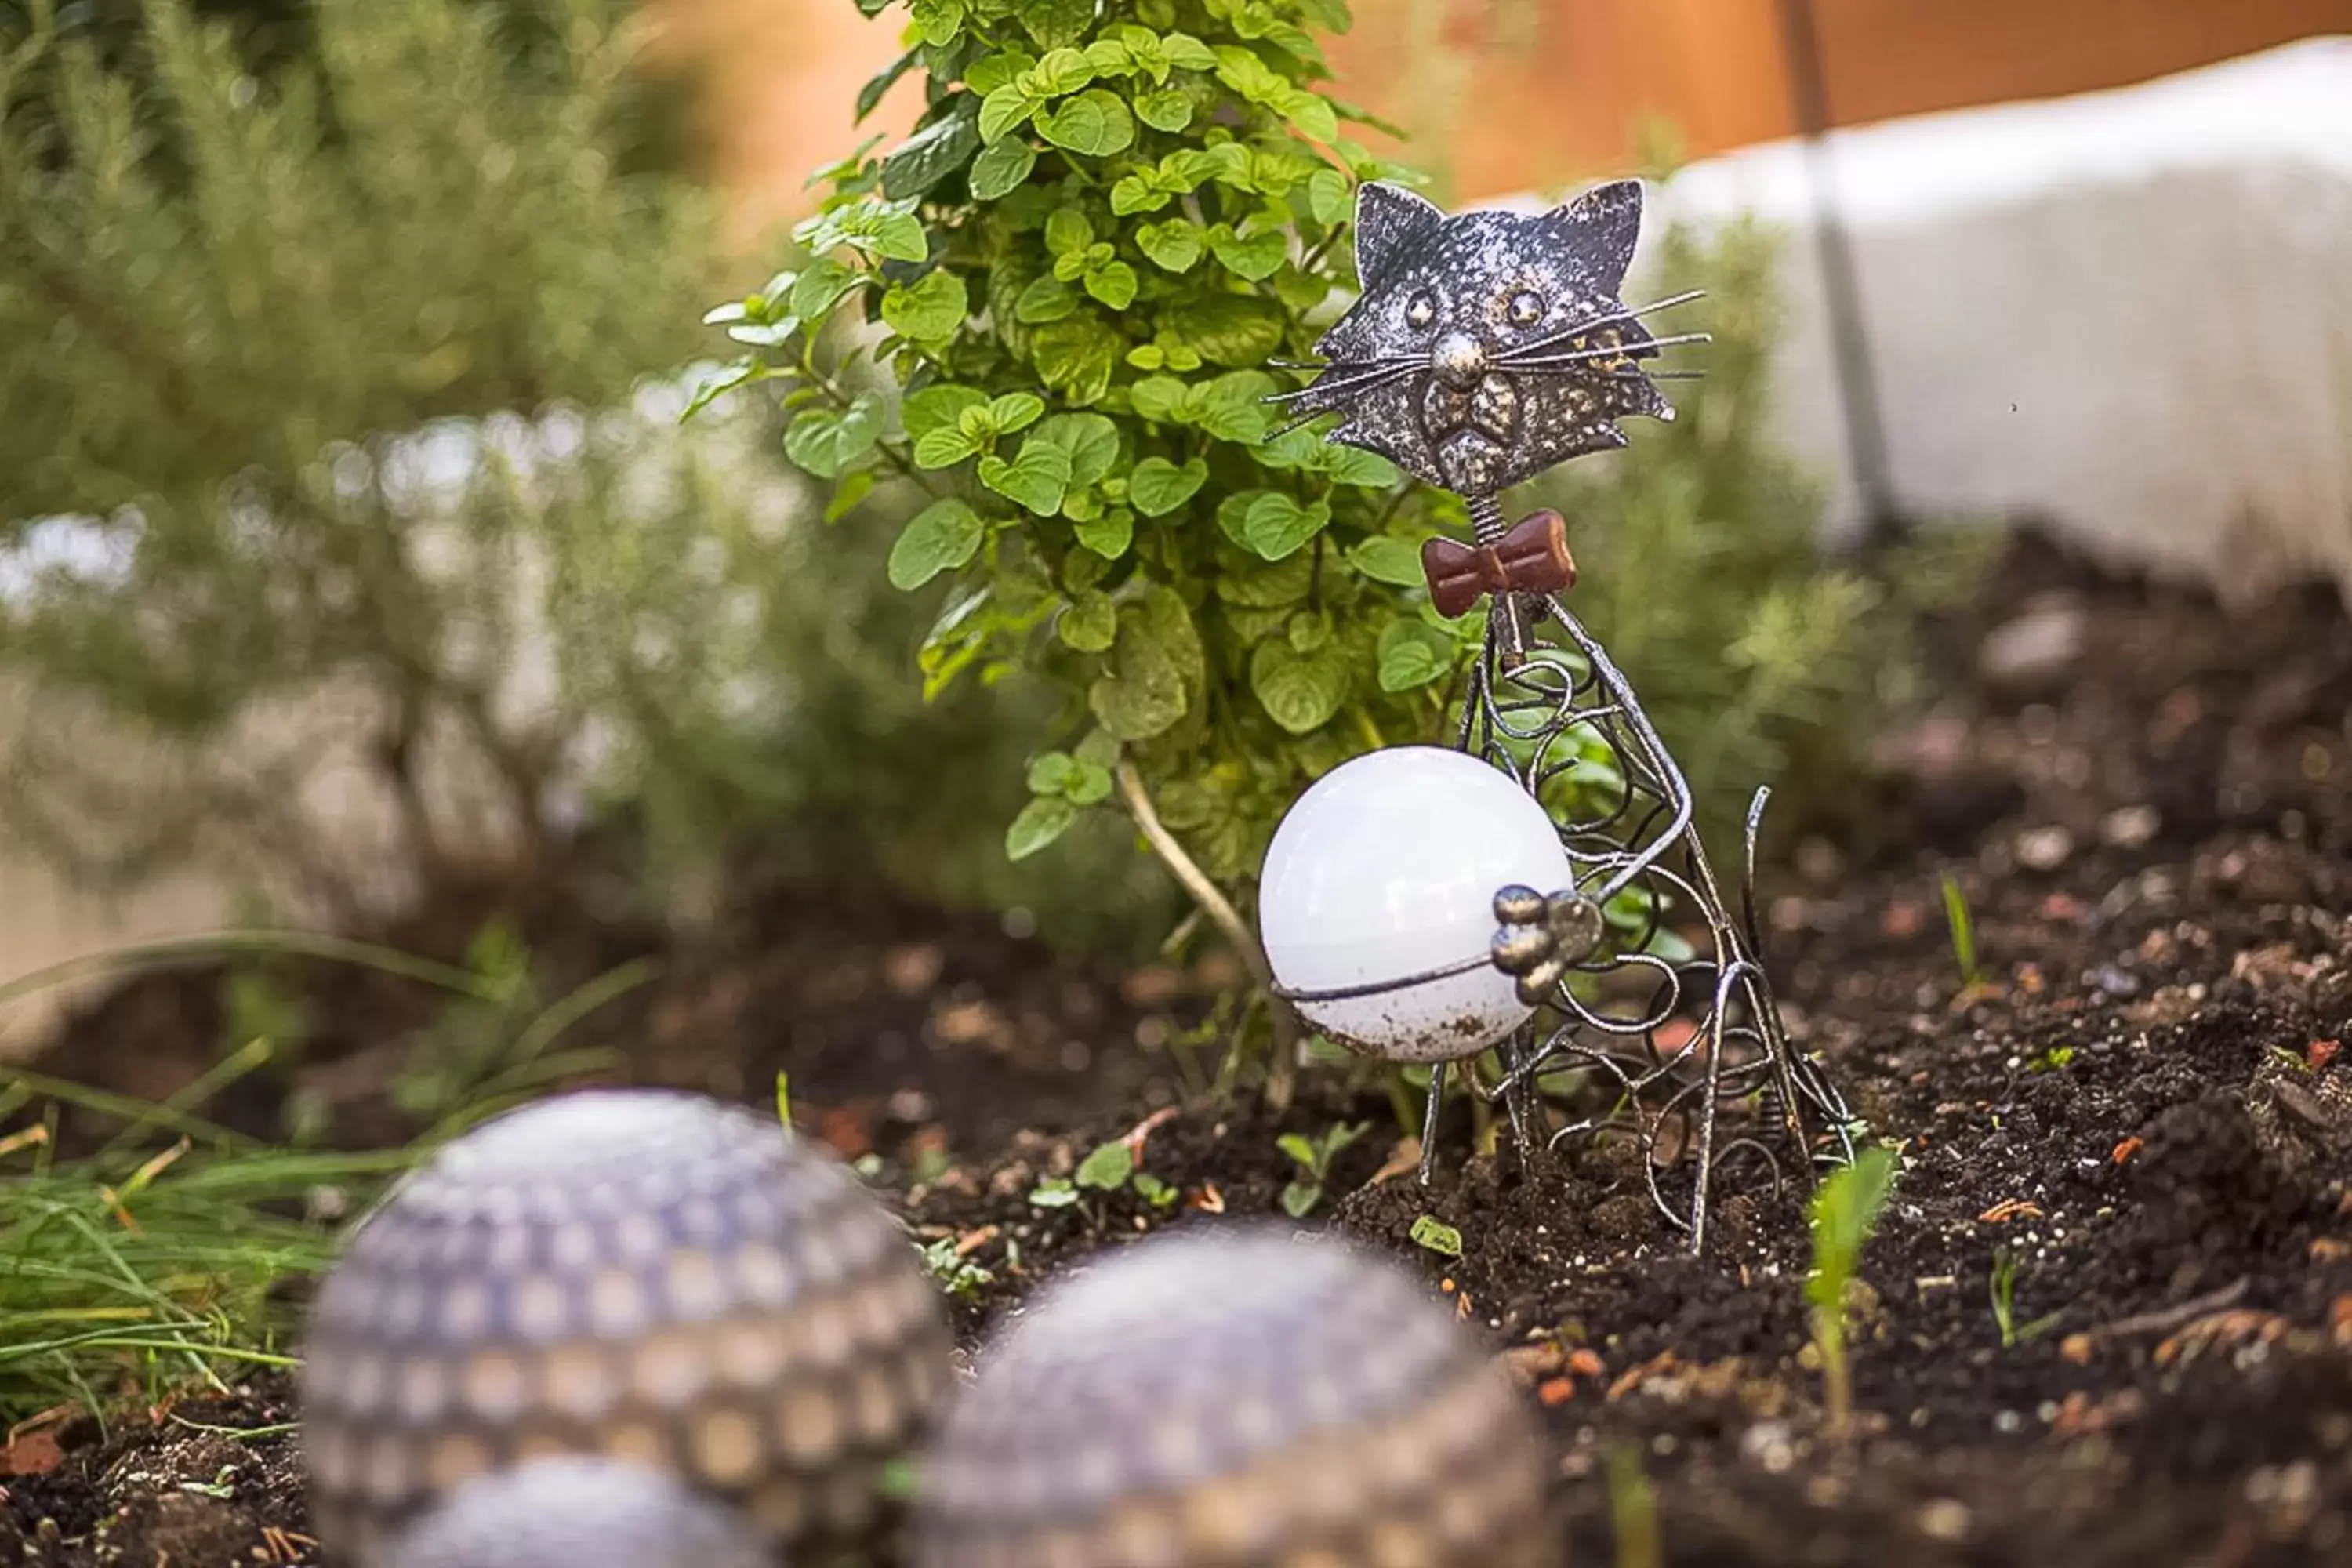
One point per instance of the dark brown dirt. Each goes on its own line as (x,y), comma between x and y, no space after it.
(2142,1108)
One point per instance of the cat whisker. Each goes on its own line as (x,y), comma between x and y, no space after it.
(1376,361)
(1611,319)
(1344,386)
(1301,423)
(1655,374)
(1524,361)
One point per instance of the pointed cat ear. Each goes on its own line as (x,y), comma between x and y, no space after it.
(1600,227)
(1388,220)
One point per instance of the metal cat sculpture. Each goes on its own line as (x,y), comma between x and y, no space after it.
(1485,348)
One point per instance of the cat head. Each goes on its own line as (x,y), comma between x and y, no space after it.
(1488,346)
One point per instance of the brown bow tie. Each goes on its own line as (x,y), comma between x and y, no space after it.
(1532,558)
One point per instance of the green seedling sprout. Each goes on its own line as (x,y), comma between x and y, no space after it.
(1314,1157)
(958,1275)
(1633,1511)
(2003,1290)
(1964,932)
(1845,1211)
(1107,1168)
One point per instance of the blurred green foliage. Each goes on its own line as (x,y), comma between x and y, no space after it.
(324,415)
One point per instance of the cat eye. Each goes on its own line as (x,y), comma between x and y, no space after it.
(1421,310)
(1526,309)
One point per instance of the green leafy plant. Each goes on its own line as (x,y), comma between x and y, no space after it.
(958,1275)
(1314,1157)
(1041,324)
(1845,1210)
(1107,1168)
(1963,929)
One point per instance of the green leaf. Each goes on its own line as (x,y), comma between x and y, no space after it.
(1090,439)
(1267,585)
(1159,398)
(1354,465)
(1188,53)
(930,311)
(1052,773)
(1107,1168)
(1067,232)
(1231,329)
(930,155)
(943,449)
(1411,655)
(1111,56)
(1048,299)
(1112,283)
(1299,1198)
(989,72)
(940,407)
(1437,1236)
(1269,523)
(1311,114)
(1159,487)
(1001,167)
(898,236)
(1054,1192)
(941,537)
(1091,623)
(1003,110)
(1099,750)
(1046,818)
(824,442)
(1062,71)
(1845,1210)
(1109,535)
(938,21)
(1036,478)
(1385,558)
(1054,23)
(741,373)
(880,82)
(847,494)
(1076,356)
(1257,258)
(1300,691)
(820,288)
(1154,667)
(1330,196)
(1173,245)
(1095,123)
(1011,411)
(1165,109)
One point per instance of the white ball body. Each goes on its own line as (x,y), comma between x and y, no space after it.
(1388,867)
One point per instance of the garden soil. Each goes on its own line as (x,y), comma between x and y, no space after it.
(2139,1116)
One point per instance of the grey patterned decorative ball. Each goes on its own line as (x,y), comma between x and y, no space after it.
(1236,1398)
(647,1277)
(573,1511)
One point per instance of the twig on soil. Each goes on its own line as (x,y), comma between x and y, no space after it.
(1282,1072)
(2078,1346)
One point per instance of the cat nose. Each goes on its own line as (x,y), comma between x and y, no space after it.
(1459,358)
